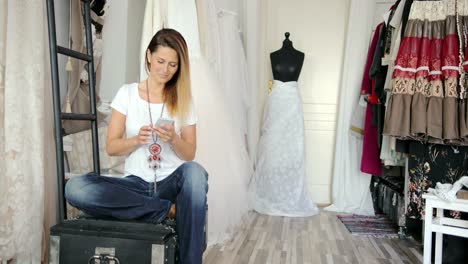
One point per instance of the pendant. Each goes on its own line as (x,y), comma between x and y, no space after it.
(155,149)
(154,157)
(154,162)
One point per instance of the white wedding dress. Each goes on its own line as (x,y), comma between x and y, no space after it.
(278,185)
(233,69)
(220,147)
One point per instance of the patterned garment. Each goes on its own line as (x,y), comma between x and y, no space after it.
(429,164)
(278,186)
(426,99)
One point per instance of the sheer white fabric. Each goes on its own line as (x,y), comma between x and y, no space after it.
(6,244)
(278,185)
(23,49)
(223,48)
(350,187)
(219,148)
(233,69)
(252,38)
(3,23)
(209,33)
(221,151)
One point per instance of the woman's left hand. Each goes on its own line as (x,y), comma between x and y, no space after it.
(166,132)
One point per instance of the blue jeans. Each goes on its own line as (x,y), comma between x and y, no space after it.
(133,198)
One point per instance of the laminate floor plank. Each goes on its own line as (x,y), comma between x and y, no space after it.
(319,239)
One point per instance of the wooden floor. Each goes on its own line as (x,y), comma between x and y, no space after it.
(318,239)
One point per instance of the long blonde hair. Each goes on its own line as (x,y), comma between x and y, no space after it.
(177,91)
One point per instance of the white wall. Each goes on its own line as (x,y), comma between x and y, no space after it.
(121,45)
(381,7)
(62,22)
(114,56)
(318,29)
(135,11)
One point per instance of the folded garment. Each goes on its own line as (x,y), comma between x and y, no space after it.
(447,191)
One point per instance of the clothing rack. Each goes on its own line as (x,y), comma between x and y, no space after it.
(54,50)
(390,184)
(388,197)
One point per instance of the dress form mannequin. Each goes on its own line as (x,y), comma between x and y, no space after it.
(286,62)
(278,186)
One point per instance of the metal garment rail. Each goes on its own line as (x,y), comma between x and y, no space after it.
(54,50)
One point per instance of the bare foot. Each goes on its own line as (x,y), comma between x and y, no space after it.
(172,212)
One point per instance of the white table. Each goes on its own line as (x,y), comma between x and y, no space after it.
(441,225)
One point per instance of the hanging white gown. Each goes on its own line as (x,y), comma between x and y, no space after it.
(233,68)
(209,33)
(278,185)
(223,49)
(220,149)
(25,131)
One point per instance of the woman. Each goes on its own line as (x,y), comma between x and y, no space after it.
(159,168)
(220,143)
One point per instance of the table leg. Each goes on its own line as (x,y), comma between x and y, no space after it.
(428,232)
(439,237)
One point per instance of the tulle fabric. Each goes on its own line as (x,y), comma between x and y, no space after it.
(221,151)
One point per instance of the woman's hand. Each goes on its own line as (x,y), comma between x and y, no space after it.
(144,135)
(166,132)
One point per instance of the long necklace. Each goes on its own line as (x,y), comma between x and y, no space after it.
(154,158)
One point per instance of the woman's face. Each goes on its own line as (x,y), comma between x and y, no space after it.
(164,63)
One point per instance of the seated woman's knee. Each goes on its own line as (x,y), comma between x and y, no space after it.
(195,173)
(74,189)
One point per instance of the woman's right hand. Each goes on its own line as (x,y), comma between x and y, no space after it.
(144,135)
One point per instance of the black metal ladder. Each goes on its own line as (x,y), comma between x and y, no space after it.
(54,50)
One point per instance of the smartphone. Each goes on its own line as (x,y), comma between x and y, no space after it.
(164,121)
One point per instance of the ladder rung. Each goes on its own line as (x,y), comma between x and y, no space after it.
(74,54)
(72,116)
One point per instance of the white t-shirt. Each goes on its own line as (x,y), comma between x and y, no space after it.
(128,102)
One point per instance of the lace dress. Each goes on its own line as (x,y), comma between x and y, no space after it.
(278,185)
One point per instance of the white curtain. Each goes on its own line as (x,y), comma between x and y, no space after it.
(252,23)
(350,187)
(25,129)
